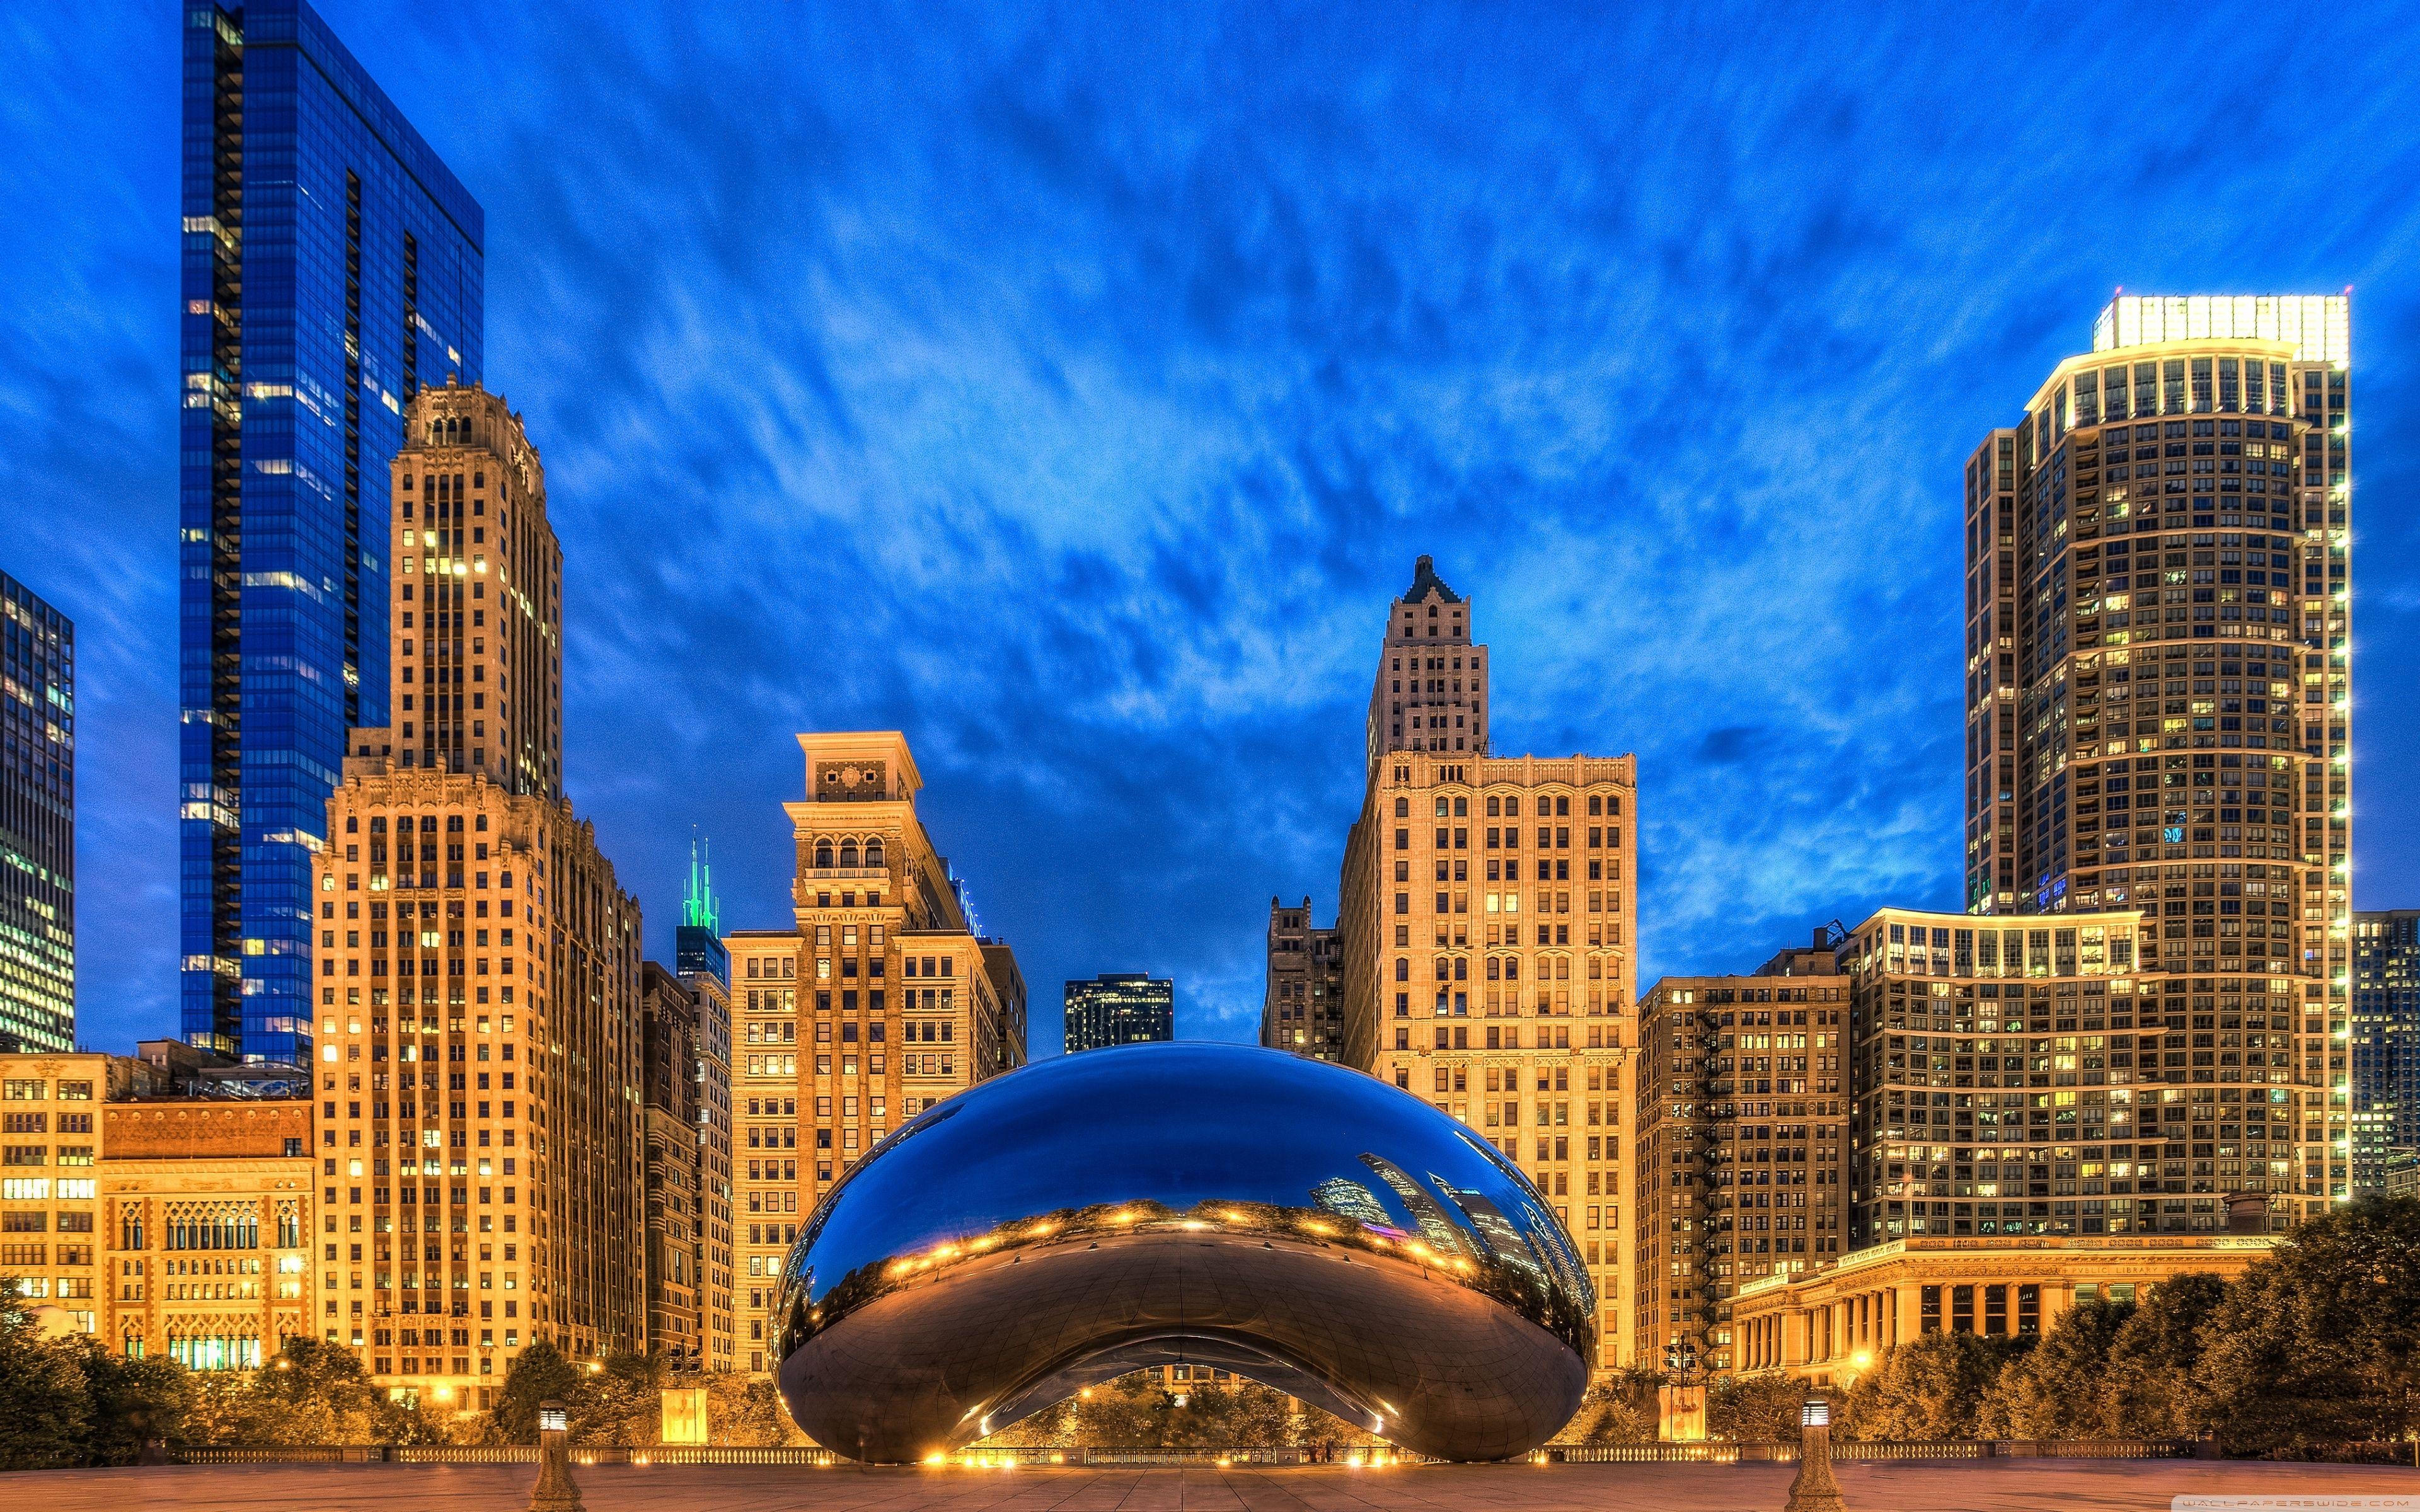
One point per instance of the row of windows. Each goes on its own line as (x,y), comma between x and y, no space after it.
(1547,806)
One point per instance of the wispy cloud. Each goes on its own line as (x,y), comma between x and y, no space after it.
(1071,391)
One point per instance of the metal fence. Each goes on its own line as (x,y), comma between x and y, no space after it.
(1711,1452)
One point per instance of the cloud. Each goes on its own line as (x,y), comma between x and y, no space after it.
(1071,389)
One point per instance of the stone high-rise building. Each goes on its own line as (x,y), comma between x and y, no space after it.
(2158,660)
(36,823)
(879,1000)
(1742,1143)
(479,1058)
(2385,1041)
(1489,924)
(1303,1009)
(1118,1007)
(1430,691)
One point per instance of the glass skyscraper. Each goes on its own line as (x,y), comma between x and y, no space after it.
(2385,1041)
(36,822)
(331,266)
(1120,1008)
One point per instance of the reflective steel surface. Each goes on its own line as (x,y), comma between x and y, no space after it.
(1298,1222)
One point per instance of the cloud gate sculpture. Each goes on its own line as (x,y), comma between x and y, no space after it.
(1299,1223)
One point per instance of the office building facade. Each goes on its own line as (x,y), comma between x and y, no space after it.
(2158,659)
(1489,926)
(332,267)
(877,1002)
(1741,1145)
(36,822)
(1302,1006)
(1119,1008)
(2385,1043)
(479,1058)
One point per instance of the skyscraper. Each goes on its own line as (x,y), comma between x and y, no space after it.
(331,266)
(2385,1040)
(2157,657)
(480,1053)
(1302,1006)
(1489,933)
(1119,1008)
(36,822)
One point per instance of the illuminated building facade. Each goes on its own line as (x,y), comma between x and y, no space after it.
(1303,1006)
(156,1223)
(2157,676)
(36,822)
(1826,1327)
(878,1002)
(332,267)
(1489,929)
(1119,1008)
(479,1059)
(2385,1041)
(1742,1143)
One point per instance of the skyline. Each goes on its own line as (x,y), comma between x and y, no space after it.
(1191,315)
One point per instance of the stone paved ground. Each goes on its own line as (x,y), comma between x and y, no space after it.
(2035,1486)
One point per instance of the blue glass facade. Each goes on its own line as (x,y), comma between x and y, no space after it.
(2385,1041)
(36,822)
(330,265)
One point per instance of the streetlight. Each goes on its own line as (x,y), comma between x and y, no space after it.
(556,1491)
(1813,1489)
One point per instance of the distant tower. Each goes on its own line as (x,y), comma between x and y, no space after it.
(697,943)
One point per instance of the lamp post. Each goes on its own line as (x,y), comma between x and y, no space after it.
(556,1491)
(1813,1489)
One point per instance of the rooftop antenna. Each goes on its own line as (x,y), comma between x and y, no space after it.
(699,909)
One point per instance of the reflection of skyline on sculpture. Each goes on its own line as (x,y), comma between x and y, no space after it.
(927,1303)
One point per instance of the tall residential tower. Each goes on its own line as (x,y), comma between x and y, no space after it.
(2157,666)
(331,266)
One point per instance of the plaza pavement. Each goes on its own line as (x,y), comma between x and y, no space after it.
(2022,1486)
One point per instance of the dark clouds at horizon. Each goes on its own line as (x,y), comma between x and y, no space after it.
(1072,393)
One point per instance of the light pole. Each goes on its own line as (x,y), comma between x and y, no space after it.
(556,1491)
(1813,1489)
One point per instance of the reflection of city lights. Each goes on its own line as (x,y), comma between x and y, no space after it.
(1041,1230)
(1193,1224)
(1121,1217)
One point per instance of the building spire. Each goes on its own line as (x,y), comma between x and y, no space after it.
(698,907)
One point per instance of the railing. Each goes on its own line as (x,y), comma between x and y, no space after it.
(1709,1452)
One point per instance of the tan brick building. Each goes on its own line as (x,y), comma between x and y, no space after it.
(1489,925)
(479,1070)
(1302,1006)
(1742,1147)
(158,1224)
(878,1002)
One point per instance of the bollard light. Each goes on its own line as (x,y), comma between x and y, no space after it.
(555,1491)
(1813,1488)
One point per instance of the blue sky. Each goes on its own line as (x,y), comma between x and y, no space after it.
(1072,388)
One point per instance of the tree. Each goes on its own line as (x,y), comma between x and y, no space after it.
(315,1392)
(1930,1387)
(1754,1409)
(45,1404)
(2152,1389)
(2319,1340)
(539,1373)
(621,1404)
(2052,1390)
(1622,1411)
(134,1400)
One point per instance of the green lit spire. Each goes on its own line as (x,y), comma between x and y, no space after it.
(698,907)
